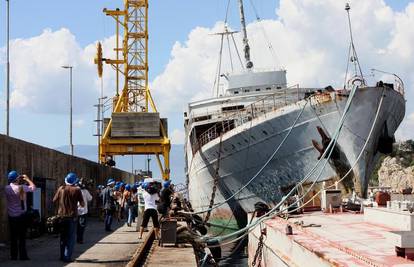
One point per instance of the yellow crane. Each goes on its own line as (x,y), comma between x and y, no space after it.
(135,127)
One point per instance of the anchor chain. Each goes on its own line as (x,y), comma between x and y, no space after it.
(215,182)
(257,260)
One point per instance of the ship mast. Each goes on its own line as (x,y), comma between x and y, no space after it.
(353,57)
(249,63)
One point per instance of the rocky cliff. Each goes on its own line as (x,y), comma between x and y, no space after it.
(397,170)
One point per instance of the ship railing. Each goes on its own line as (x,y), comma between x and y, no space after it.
(261,107)
(398,82)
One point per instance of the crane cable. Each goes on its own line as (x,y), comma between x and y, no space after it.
(266,216)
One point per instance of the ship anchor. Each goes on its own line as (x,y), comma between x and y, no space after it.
(326,140)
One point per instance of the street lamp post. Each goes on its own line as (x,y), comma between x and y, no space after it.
(71,111)
(8,71)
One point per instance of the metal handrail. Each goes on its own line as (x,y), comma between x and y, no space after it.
(254,110)
(398,82)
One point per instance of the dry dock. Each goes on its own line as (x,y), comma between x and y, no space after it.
(340,239)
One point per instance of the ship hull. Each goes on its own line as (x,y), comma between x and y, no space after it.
(246,148)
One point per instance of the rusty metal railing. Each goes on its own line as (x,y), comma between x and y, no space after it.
(261,107)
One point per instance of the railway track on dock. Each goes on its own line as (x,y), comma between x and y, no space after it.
(141,256)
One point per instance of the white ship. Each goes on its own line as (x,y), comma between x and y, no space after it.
(231,136)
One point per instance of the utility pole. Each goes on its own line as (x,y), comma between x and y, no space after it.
(8,71)
(70,109)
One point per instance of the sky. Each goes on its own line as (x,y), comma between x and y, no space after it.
(310,40)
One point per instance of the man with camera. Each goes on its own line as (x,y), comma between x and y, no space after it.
(68,197)
(15,192)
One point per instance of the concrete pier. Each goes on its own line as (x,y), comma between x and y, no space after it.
(320,239)
(172,256)
(99,249)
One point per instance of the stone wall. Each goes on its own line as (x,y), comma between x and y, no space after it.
(48,167)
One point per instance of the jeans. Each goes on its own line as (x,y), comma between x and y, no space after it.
(81,228)
(108,219)
(18,229)
(67,238)
(130,209)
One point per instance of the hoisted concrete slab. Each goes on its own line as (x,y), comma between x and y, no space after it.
(135,124)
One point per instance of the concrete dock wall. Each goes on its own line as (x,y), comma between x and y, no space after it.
(48,168)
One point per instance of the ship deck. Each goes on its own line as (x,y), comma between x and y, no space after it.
(319,239)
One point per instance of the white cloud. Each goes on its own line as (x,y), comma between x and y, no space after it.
(38,82)
(406,129)
(177,137)
(311,40)
(309,37)
(79,123)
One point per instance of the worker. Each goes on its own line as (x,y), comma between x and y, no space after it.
(165,198)
(150,196)
(128,203)
(15,192)
(118,199)
(141,204)
(83,211)
(134,195)
(98,202)
(108,202)
(67,198)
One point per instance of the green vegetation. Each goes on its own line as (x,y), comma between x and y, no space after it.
(373,180)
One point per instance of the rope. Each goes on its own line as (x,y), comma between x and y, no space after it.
(333,140)
(215,181)
(267,39)
(237,51)
(261,169)
(359,155)
(266,216)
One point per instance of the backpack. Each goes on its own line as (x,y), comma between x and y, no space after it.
(152,188)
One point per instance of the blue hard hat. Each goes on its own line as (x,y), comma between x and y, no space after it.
(12,176)
(71,178)
(166,184)
(110,181)
(144,185)
(117,187)
(128,187)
